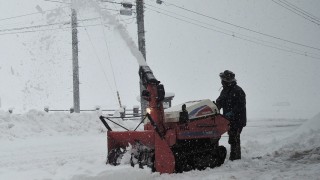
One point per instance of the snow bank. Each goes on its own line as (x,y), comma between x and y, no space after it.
(295,155)
(311,125)
(36,123)
(306,136)
(39,123)
(303,145)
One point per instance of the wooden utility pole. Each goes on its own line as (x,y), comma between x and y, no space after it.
(75,63)
(142,47)
(141,32)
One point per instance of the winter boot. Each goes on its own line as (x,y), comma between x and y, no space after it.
(232,152)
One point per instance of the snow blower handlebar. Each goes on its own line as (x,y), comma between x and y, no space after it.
(105,123)
(102,118)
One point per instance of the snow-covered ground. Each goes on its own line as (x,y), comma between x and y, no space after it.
(39,145)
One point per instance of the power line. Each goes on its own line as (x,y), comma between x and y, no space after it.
(35,26)
(95,18)
(295,12)
(114,79)
(128,19)
(232,32)
(119,99)
(185,17)
(233,35)
(301,10)
(113,2)
(57,1)
(23,15)
(46,25)
(282,49)
(19,16)
(110,9)
(90,25)
(242,27)
(30,31)
(89,19)
(98,58)
(41,30)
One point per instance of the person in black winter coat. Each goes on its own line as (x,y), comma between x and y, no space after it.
(232,100)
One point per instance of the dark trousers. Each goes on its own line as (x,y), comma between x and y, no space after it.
(234,141)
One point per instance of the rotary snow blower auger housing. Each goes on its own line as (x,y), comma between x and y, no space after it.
(181,138)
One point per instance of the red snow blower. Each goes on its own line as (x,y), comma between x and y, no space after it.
(180,138)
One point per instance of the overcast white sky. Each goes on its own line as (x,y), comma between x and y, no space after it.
(35,67)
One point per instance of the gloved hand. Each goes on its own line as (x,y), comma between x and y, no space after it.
(229,115)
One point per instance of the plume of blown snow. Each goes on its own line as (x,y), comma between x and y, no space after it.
(112,20)
(125,36)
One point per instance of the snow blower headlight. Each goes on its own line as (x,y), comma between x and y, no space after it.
(148,110)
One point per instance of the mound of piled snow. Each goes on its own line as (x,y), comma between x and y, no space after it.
(303,138)
(39,123)
(312,125)
(293,154)
(303,145)
(296,156)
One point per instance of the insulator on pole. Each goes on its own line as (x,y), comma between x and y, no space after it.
(126,12)
(159,1)
(126,4)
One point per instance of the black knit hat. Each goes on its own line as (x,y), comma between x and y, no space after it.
(227,76)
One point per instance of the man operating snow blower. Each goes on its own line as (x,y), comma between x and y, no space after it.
(233,102)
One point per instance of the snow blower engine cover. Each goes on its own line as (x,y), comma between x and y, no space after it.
(195,109)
